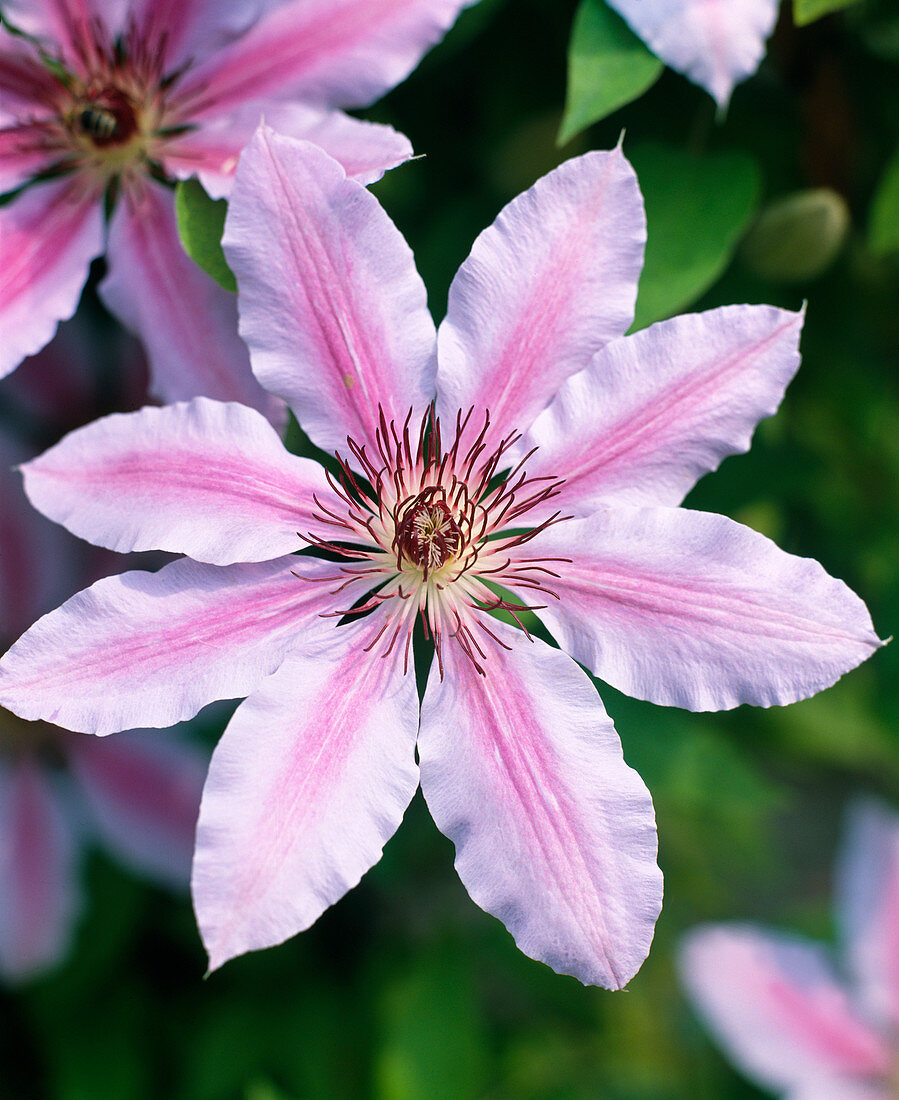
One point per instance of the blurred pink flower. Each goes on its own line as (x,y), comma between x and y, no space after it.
(716,43)
(604,434)
(114,99)
(138,796)
(776,1005)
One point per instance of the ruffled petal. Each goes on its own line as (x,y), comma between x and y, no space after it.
(39,896)
(202,478)
(655,411)
(545,287)
(690,609)
(868,894)
(364,149)
(331,305)
(342,53)
(774,1005)
(151,649)
(186,321)
(143,789)
(49,236)
(554,833)
(308,783)
(716,43)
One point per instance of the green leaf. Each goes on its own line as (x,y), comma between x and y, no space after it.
(608,66)
(807,11)
(883,232)
(201,221)
(697,208)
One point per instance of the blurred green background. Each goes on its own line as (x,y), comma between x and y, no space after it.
(405,990)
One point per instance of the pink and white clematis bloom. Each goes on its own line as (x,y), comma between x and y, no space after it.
(116,100)
(716,43)
(138,796)
(526,455)
(775,1003)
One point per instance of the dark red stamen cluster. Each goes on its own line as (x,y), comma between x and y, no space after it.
(433,508)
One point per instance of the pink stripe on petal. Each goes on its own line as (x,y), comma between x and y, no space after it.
(23,77)
(655,411)
(716,43)
(868,892)
(186,321)
(48,237)
(331,305)
(24,151)
(773,1003)
(151,649)
(309,781)
(73,31)
(183,32)
(38,892)
(203,478)
(143,789)
(554,833)
(343,53)
(693,610)
(545,287)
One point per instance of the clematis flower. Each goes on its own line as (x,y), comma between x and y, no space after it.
(716,43)
(775,1002)
(138,796)
(526,456)
(112,102)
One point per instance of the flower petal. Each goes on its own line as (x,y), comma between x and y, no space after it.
(656,410)
(24,80)
(716,43)
(49,236)
(343,53)
(187,322)
(868,894)
(773,1003)
(178,33)
(690,609)
(24,151)
(545,287)
(74,31)
(554,833)
(309,781)
(153,648)
(143,789)
(365,149)
(202,478)
(39,896)
(331,305)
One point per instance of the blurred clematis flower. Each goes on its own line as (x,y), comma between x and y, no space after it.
(716,43)
(774,1001)
(111,102)
(138,797)
(526,456)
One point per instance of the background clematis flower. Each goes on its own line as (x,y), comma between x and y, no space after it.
(138,796)
(526,455)
(114,101)
(775,1002)
(716,43)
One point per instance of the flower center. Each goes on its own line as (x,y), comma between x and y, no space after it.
(426,533)
(431,530)
(106,118)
